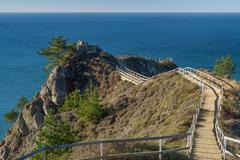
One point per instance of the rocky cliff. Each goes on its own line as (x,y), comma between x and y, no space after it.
(90,62)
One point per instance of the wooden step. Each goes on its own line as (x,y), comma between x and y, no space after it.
(205,141)
(206,150)
(199,146)
(206,156)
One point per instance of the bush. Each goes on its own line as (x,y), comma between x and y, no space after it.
(55,131)
(86,106)
(225,66)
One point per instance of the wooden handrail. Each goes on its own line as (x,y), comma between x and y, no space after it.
(112,141)
(137,74)
(130,77)
(232,140)
(221,138)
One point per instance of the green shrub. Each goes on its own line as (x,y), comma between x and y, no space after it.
(86,105)
(55,131)
(225,66)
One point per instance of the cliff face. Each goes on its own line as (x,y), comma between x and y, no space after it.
(147,67)
(89,63)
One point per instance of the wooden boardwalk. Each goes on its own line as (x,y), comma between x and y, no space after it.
(205,144)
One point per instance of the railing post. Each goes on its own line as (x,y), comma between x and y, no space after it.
(188,145)
(43,152)
(101,150)
(224,147)
(160,149)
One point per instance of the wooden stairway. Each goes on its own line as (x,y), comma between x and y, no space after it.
(205,145)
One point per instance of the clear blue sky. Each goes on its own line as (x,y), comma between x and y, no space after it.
(119,5)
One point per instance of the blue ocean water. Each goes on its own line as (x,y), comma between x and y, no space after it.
(194,40)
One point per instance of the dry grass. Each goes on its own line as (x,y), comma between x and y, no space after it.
(162,106)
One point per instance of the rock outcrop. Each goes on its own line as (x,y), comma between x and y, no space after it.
(89,63)
(147,67)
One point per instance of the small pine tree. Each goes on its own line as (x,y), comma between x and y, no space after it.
(91,108)
(86,106)
(22,102)
(73,102)
(225,66)
(58,52)
(54,132)
(12,116)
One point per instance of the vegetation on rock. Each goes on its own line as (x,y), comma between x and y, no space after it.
(86,105)
(13,114)
(225,66)
(58,52)
(22,102)
(55,131)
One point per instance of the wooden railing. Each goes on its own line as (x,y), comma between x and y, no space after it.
(191,130)
(144,78)
(221,138)
(132,76)
(101,144)
(235,141)
(129,77)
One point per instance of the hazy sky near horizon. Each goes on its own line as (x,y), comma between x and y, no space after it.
(119,5)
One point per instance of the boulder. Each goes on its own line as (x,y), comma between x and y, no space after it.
(55,89)
(84,47)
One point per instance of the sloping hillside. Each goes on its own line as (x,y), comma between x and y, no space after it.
(162,106)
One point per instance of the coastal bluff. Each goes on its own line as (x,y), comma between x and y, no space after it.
(90,62)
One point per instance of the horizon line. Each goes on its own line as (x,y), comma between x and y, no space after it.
(118,12)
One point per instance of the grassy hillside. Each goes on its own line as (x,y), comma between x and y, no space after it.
(162,106)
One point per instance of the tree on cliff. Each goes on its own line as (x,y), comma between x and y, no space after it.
(86,105)
(58,52)
(55,131)
(22,102)
(13,114)
(225,66)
